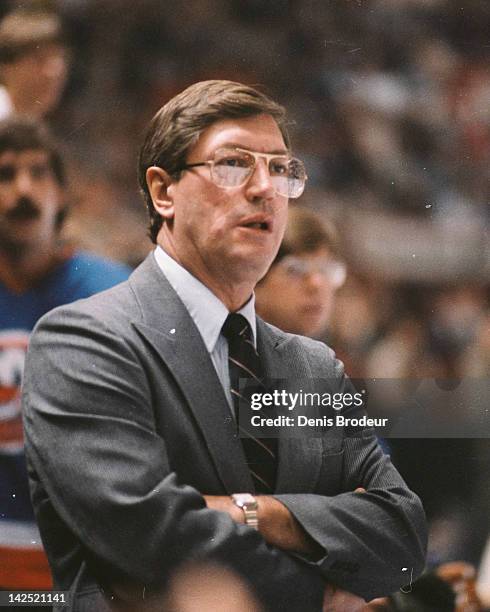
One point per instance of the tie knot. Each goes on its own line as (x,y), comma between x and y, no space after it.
(235,326)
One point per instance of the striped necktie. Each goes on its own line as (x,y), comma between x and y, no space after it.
(244,363)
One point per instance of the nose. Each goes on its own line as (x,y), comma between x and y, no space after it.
(315,280)
(55,66)
(23,182)
(259,184)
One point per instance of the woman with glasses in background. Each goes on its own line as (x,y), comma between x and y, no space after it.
(298,292)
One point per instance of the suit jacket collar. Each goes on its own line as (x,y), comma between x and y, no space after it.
(167,325)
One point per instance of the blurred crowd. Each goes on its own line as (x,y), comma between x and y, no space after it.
(390,102)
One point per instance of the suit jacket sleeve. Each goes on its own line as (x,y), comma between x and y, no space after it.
(92,441)
(374,542)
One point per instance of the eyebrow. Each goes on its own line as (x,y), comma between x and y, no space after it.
(236,145)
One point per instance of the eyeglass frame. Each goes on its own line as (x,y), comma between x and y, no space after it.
(256,155)
(309,268)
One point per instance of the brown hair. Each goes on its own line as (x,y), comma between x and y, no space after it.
(177,126)
(307,231)
(23,30)
(21,134)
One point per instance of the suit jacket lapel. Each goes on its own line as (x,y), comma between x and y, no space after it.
(300,456)
(170,329)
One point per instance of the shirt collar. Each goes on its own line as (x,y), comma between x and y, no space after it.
(207,311)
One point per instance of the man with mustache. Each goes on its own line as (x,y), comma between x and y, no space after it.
(136,389)
(37,272)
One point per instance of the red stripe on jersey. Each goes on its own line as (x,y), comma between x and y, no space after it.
(24,568)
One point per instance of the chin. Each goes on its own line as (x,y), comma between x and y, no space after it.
(313,329)
(253,263)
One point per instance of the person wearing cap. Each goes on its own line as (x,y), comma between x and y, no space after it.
(33,63)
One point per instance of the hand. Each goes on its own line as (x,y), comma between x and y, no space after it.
(224,503)
(337,600)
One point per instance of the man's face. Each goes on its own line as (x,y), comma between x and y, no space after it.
(297,294)
(234,232)
(36,79)
(30,199)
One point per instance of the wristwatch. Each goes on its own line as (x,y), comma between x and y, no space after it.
(249,505)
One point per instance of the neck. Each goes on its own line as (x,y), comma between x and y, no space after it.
(22,267)
(233,296)
(234,292)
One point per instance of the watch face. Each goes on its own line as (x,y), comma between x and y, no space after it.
(249,505)
(244,499)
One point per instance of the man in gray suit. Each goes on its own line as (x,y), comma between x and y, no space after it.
(135,463)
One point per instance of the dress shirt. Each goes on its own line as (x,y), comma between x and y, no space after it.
(208,313)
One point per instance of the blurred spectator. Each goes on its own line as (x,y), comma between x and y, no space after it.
(33,63)
(37,273)
(201,588)
(449,588)
(483,581)
(462,578)
(297,294)
(428,594)
(195,587)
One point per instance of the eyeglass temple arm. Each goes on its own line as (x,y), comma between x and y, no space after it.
(206,163)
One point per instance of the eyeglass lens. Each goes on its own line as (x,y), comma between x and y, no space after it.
(231,168)
(334,271)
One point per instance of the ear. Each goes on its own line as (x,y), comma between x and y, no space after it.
(158,181)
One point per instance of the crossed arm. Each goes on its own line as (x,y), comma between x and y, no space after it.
(277,525)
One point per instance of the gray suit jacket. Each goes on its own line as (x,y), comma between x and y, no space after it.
(127,426)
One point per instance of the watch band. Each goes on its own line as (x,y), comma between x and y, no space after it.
(249,505)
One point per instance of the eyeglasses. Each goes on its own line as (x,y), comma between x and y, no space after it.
(232,167)
(333,271)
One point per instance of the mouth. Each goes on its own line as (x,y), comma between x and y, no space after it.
(25,210)
(261,224)
(313,309)
(22,216)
